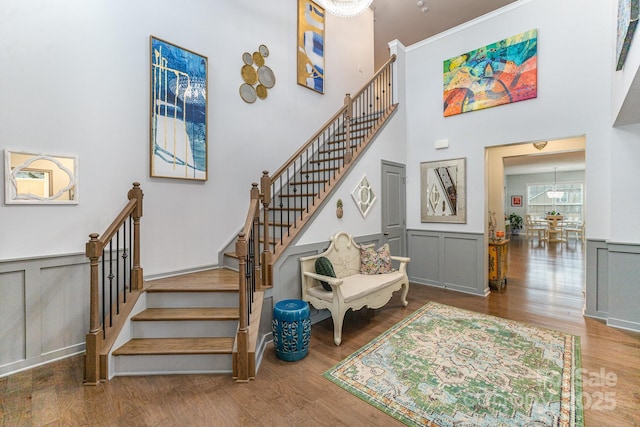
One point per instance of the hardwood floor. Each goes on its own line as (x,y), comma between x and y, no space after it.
(545,285)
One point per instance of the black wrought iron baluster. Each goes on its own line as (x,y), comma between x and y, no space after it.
(307,152)
(130,246)
(281,213)
(110,277)
(117,272)
(125,255)
(247,275)
(296,194)
(104,295)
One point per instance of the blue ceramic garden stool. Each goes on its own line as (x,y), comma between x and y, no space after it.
(291,327)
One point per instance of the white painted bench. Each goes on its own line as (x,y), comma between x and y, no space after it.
(349,289)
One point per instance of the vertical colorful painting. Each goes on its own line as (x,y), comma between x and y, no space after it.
(627,23)
(311,45)
(178,112)
(497,74)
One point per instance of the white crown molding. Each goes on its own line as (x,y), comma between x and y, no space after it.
(505,9)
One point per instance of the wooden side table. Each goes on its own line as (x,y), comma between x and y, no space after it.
(498,251)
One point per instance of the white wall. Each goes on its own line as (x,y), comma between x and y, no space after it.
(574,80)
(75,80)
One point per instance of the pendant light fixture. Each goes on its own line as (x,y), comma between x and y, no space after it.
(345,8)
(555,194)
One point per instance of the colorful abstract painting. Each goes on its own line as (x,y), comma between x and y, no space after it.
(311,45)
(178,112)
(627,23)
(499,73)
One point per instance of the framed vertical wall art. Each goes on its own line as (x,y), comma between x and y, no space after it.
(628,11)
(310,45)
(443,196)
(178,112)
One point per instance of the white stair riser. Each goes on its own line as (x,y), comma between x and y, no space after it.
(191,299)
(184,328)
(172,364)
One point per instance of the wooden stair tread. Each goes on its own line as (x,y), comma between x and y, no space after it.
(199,313)
(328,159)
(216,280)
(310,171)
(297,195)
(174,346)
(231,255)
(286,209)
(311,181)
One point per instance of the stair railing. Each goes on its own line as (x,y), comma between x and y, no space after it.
(247,247)
(115,273)
(303,182)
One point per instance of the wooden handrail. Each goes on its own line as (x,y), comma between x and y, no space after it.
(304,146)
(245,237)
(333,118)
(94,251)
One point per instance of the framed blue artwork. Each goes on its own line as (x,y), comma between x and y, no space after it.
(178,112)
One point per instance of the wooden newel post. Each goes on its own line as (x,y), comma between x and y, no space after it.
(265,185)
(94,337)
(136,273)
(348,155)
(242,359)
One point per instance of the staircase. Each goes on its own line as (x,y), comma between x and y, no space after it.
(188,326)
(208,322)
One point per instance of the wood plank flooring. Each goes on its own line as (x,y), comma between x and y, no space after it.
(545,285)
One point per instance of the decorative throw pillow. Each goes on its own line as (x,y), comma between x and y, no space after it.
(375,261)
(324,267)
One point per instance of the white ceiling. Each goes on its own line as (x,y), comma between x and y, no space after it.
(541,163)
(404,20)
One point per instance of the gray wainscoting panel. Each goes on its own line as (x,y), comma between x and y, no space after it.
(597,279)
(63,324)
(12,317)
(44,310)
(448,260)
(424,251)
(624,286)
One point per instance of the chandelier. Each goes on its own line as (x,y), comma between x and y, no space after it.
(345,8)
(555,194)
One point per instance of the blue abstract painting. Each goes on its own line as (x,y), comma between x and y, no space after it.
(178,112)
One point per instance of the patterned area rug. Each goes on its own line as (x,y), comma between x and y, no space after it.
(444,366)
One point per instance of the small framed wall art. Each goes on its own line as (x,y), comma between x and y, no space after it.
(516,201)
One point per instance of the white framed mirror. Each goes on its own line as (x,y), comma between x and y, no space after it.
(32,178)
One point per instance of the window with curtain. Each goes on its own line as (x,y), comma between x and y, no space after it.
(570,204)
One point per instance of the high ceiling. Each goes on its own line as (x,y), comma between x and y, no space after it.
(405,21)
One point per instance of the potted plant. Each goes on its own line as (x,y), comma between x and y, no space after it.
(515,222)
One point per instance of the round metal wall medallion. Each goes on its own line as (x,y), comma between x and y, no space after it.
(247,93)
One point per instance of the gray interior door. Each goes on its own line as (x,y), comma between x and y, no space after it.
(394,207)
